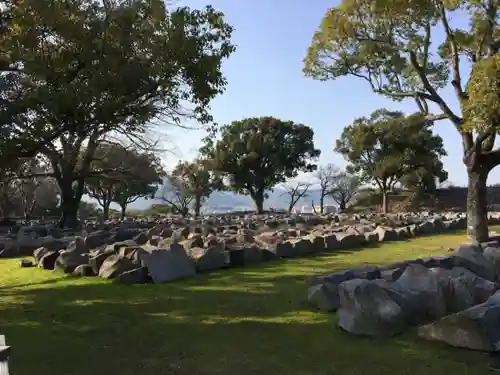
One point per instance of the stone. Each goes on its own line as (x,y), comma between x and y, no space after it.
(67,261)
(423,293)
(141,238)
(25,263)
(368,309)
(324,296)
(48,260)
(476,328)
(301,246)
(243,255)
(347,241)
(213,258)
(169,264)
(134,276)
(78,246)
(114,265)
(97,259)
(472,258)
(83,270)
(463,288)
(386,234)
(331,242)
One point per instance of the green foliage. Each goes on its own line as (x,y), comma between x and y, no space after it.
(122,175)
(256,154)
(387,147)
(194,180)
(373,40)
(81,69)
(483,89)
(389,44)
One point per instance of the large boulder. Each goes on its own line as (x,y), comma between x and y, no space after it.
(242,255)
(323,291)
(472,258)
(169,264)
(426,296)
(476,328)
(463,288)
(114,265)
(209,259)
(67,261)
(368,308)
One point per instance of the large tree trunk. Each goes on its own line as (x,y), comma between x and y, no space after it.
(477,211)
(322,204)
(258,198)
(123,207)
(342,205)
(105,209)
(70,203)
(385,202)
(197,206)
(69,214)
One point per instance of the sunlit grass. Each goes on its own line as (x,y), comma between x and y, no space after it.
(231,322)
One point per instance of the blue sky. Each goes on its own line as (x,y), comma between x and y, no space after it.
(265,79)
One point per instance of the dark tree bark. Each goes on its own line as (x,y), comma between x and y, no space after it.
(385,202)
(123,207)
(105,208)
(258,198)
(197,206)
(477,211)
(71,197)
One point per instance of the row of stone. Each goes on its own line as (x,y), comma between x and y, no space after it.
(137,260)
(454,299)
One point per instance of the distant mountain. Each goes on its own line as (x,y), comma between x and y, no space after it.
(227,201)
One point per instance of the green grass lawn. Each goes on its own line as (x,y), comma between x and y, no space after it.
(232,322)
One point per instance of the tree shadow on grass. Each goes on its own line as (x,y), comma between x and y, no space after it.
(204,326)
(243,321)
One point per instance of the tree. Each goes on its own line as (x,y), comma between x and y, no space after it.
(295,191)
(325,176)
(90,68)
(386,146)
(122,175)
(256,154)
(423,181)
(197,180)
(177,195)
(388,44)
(30,179)
(343,188)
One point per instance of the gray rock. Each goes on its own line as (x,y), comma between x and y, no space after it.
(476,328)
(25,263)
(169,264)
(213,258)
(114,265)
(472,258)
(83,270)
(67,261)
(368,309)
(135,276)
(423,292)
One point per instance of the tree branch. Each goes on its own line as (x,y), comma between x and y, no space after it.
(455,57)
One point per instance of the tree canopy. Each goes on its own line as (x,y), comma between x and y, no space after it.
(256,154)
(393,46)
(192,182)
(79,70)
(122,175)
(387,146)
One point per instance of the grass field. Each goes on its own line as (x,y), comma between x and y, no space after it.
(232,322)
